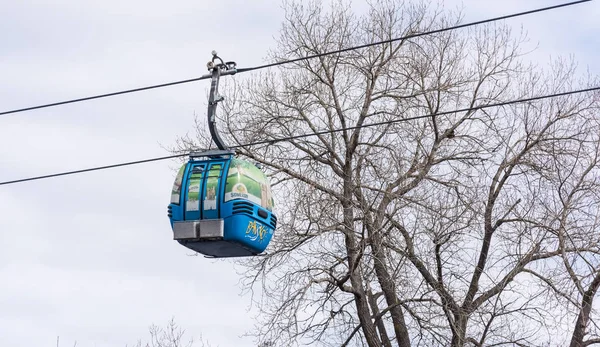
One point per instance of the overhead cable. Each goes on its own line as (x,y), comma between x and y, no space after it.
(276,140)
(241,70)
(410,36)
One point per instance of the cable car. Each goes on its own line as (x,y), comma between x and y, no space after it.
(221,205)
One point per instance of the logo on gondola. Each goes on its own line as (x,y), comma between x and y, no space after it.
(256,231)
(239,191)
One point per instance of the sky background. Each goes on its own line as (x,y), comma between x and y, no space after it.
(90,257)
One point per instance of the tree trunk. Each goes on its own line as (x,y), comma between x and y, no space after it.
(385,339)
(460,330)
(389,292)
(360,298)
(584,313)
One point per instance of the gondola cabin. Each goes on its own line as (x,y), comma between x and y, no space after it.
(222,206)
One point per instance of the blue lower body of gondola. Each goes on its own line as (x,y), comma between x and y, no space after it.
(234,236)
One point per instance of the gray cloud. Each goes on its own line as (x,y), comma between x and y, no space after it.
(90,257)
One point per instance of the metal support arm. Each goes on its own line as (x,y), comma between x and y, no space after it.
(213,99)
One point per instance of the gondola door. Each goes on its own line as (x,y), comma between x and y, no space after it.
(193,192)
(212,191)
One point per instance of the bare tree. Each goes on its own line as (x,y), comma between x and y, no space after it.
(172,335)
(573,206)
(456,228)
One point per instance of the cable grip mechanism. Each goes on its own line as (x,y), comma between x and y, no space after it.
(217,68)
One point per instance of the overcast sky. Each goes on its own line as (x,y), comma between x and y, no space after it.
(90,257)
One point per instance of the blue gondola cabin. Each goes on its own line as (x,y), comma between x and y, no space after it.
(222,206)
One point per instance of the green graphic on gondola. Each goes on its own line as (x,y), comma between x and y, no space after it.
(246,181)
(176,191)
(212,183)
(193,196)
